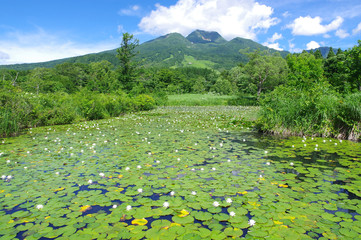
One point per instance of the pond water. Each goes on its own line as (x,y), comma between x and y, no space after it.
(177,173)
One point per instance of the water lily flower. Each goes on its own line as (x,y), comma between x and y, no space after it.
(232,214)
(140,190)
(215,203)
(114,206)
(214,169)
(194,193)
(166,204)
(251,222)
(229,200)
(90,181)
(172,193)
(127,168)
(8,161)
(25,167)
(9,177)
(139,167)
(291,163)
(39,206)
(57,173)
(265,152)
(129,208)
(268,163)
(101,174)
(3,177)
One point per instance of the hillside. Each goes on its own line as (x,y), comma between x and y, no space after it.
(200,48)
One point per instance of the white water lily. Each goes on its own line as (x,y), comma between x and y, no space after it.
(9,177)
(90,181)
(140,190)
(194,193)
(291,163)
(3,176)
(57,173)
(215,203)
(214,169)
(172,193)
(251,222)
(127,168)
(101,174)
(139,167)
(166,204)
(232,214)
(8,161)
(229,200)
(129,208)
(39,206)
(268,163)
(114,206)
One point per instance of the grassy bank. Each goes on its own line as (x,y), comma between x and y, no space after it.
(199,100)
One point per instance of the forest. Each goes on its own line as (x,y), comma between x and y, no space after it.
(301,94)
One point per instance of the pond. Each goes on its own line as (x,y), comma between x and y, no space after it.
(177,173)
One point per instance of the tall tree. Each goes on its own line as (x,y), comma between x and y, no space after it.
(128,66)
(331,53)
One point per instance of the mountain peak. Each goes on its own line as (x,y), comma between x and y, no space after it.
(200,36)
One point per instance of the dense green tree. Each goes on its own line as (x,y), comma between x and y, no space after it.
(304,70)
(128,66)
(265,70)
(336,71)
(354,61)
(102,77)
(318,54)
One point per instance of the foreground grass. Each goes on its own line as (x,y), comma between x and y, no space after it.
(199,100)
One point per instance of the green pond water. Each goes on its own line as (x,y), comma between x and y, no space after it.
(177,173)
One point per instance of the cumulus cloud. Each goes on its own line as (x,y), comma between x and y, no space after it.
(309,26)
(40,46)
(230,18)
(312,45)
(274,46)
(342,33)
(357,29)
(271,42)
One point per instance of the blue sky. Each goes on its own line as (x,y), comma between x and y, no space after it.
(42,30)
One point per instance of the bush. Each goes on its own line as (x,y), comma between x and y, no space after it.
(144,102)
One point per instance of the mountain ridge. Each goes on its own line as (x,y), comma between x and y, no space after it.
(206,49)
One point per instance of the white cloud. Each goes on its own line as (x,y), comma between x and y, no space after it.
(271,42)
(312,45)
(309,26)
(292,47)
(357,29)
(230,18)
(131,11)
(342,33)
(40,46)
(274,46)
(275,37)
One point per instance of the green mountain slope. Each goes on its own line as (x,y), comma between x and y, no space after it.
(200,48)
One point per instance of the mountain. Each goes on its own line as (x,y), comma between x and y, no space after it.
(200,36)
(199,49)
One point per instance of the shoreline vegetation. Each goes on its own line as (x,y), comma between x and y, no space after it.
(303,94)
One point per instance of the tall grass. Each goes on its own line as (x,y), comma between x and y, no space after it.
(318,111)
